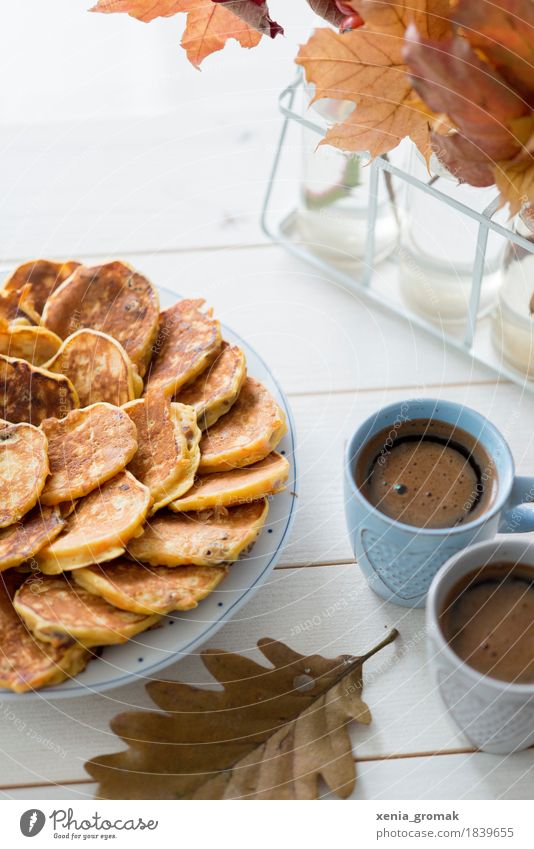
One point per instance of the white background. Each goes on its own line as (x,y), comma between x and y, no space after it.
(59,62)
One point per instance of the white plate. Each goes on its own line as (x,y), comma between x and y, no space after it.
(182,633)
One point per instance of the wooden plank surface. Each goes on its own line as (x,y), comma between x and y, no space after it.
(328,610)
(455,777)
(154,183)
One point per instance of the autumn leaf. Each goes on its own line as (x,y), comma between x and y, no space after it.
(328,10)
(366,66)
(269,733)
(465,160)
(452,79)
(487,121)
(504,30)
(256,14)
(515,181)
(145,10)
(394,16)
(209,25)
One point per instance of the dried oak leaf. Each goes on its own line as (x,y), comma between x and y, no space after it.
(504,31)
(269,733)
(209,25)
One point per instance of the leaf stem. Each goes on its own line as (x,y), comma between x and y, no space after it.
(355,662)
(350,178)
(390,638)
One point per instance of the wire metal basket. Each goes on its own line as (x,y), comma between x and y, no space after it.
(475,341)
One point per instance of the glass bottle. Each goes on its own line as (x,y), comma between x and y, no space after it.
(438,247)
(513,321)
(334,196)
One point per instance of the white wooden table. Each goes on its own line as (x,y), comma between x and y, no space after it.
(179,197)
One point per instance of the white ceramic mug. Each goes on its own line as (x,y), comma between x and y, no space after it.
(496,716)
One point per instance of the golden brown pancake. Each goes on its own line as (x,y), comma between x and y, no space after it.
(66,508)
(212,394)
(21,541)
(31,394)
(23,469)
(36,345)
(205,539)
(239,486)
(16,307)
(166,460)
(188,340)
(99,368)
(41,276)
(25,662)
(190,428)
(248,433)
(150,589)
(112,298)
(85,449)
(59,612)
(99,526)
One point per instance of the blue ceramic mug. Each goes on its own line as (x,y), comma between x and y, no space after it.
(398,560)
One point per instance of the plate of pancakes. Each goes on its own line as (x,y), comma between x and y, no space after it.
(147,477)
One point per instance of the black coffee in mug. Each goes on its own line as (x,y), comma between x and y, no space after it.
(488,621)
(427,473)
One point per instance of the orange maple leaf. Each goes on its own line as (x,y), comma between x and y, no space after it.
(209,25)
(366,67)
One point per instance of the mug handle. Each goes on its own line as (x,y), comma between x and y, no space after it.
(519,514)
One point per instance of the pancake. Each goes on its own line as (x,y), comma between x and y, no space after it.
(248,433)
(22,540)
(36,345)
(99,526)
(85,449)
(204,539)
(58,612)
(167,454)
(16,307)
(188,340)
(99,368)
(41,276)
(25,662)
(239,486)
(192,435)
(150,589)
(31,394)
(23,469)
(212,394)
(112,298)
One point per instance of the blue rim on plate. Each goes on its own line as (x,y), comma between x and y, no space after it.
(251,572)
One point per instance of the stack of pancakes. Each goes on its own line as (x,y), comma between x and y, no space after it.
(136,462)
